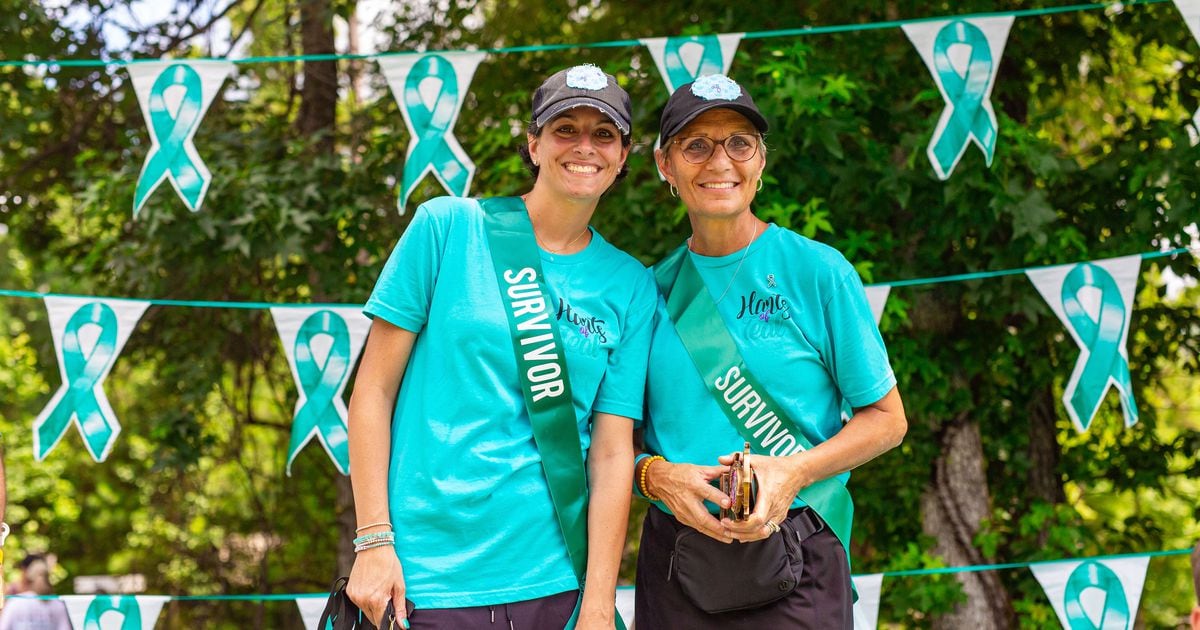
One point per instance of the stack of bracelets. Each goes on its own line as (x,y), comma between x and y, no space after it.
(377,539)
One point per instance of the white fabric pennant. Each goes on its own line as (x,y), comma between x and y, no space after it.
(174,95)
(1190,9)
(322,345)
(681,60)
(877,296)
(1094,300)
(430,89)
(866,609)
(625,604)
(310,610)
(964,58)
(1098,594)
(88,335)
(114,612)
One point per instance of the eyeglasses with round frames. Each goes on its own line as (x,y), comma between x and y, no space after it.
(740,147)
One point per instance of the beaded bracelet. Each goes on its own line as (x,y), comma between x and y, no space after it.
(359,530)
(373,545)
(371,541)
(645,490)
(366,538)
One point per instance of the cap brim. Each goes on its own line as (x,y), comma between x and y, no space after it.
(582,101)
(750,113)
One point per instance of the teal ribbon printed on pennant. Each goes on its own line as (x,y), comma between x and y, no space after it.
(321,385)
(1090,574)
(83,374)
(1103,340)
(172,131)
(966,94)
(711,61)
(431,126)
(125,604)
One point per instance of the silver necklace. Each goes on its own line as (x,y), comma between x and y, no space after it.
(525,199)
(564,247)
(745,250)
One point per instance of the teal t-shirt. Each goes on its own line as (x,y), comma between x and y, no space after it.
(799,315)
(474,522)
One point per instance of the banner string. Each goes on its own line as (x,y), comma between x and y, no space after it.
(621,43)
(907,573)
(978,275)
(266,305)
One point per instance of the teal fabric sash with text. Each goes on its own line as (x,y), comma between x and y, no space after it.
(542,370)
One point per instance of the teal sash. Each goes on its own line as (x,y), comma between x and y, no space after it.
(542,370)
(743,399)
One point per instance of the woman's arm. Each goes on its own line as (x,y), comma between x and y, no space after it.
(610,474)
(376,577)
(872,431)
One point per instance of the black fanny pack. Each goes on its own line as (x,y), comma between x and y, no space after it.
(720,577)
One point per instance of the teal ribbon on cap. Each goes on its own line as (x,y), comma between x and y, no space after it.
(172,131)
(1103,340)
(127,605)
(321,385)
(1115,614)
(966,94)
(83,374)
(431,125)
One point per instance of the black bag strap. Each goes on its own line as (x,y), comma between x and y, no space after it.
(340,613)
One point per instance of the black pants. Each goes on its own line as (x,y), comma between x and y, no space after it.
(544,613)
(822,598)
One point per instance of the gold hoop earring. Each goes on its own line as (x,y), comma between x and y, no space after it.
(674,191)
(760,185)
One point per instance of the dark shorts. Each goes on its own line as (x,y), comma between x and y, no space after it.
(550,612)
(822,598)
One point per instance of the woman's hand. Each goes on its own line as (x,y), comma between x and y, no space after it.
(685,488)
(779,479)
(375,580)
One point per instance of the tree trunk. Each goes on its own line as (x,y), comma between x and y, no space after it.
(952,508)
(317,117)
(318,97)
(1045,482)
(354,67)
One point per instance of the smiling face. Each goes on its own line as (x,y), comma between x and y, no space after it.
(718,187)
(578,153)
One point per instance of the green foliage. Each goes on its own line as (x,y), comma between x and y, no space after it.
(1093,161)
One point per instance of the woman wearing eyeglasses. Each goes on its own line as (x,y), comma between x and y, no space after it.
(760,336)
